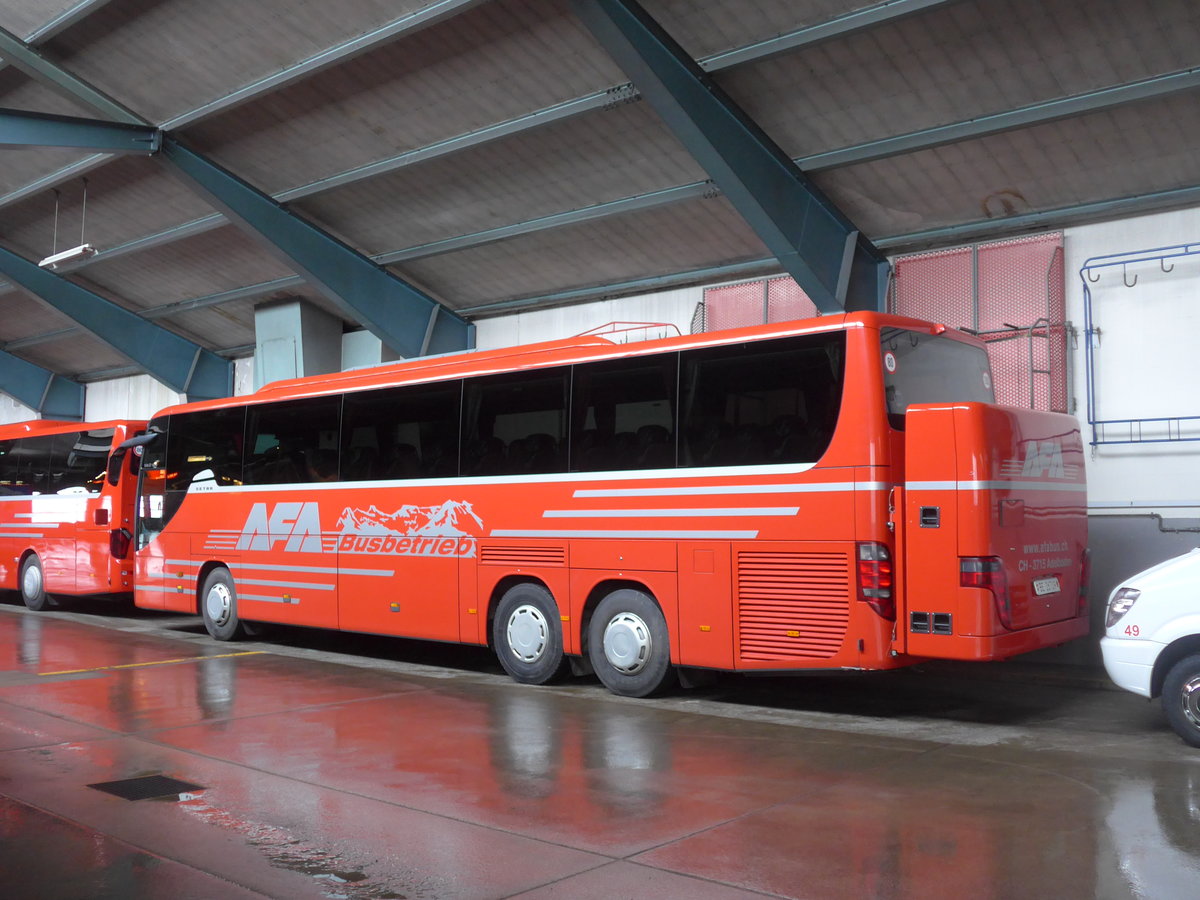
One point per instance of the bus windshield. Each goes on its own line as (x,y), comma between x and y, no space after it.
(923,368)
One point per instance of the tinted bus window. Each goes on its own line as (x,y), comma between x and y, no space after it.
(293,442)
(79,461)
(29,464)
(208,441)
(15,469)
(769,402)
(515,424)
(923,368)
(624,414)
(405,432)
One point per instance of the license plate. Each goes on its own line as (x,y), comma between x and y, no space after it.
(1044,586)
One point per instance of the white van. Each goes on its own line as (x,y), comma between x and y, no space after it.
(1151,644)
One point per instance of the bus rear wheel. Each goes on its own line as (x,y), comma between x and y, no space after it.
(628,644)
(33,584)
(218,606)
(527,635)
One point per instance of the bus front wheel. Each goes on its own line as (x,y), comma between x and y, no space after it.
(218,605)
(629,646)
(33,584)
(527,635)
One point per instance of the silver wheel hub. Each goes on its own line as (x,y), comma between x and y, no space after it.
(219,604)
(31,581)
(1191,701)
(528,633)
(627,643)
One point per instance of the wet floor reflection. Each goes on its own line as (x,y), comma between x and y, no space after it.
(312,750)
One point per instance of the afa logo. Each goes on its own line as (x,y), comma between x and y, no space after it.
(1043,459)
(449,529)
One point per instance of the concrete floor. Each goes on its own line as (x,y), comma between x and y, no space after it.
(341,766)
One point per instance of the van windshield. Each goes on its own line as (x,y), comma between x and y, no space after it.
(924,368)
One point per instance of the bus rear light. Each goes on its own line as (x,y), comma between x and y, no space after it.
(875,578)
(987,572)
(118,542)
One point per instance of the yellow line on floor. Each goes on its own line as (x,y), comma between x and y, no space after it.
(161,662)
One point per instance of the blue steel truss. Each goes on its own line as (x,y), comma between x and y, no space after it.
(815,243)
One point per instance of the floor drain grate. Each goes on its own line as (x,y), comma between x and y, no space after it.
(148,787)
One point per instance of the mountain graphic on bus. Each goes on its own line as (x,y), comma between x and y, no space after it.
(450,519)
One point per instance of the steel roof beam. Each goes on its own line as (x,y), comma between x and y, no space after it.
(51,395)
(404,317)
(32,63)
(175,361)
(30,129)
(835,265)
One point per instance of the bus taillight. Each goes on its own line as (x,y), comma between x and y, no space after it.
(875,578)
(987,572)
(118,542)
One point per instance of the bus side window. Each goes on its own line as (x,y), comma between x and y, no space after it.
(209,439)
(404,432)
(761,403)
(623,414)
(516,423)
(30,464)
(293,442)
(12,474)
(80,460)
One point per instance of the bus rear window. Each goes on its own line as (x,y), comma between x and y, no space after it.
(923,368)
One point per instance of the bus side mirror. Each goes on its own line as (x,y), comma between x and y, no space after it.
(114,467)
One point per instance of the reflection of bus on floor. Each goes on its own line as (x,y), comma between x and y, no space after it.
(833,493)
(66,515)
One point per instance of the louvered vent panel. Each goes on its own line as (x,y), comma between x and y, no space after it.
(522,556)
(792,605)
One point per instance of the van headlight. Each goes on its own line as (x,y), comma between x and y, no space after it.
(1122,601)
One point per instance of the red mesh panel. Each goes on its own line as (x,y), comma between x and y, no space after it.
(1019,309)
(734,305)
(937,287)
(786,301)
(1013,281)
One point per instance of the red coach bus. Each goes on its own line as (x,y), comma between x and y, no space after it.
(66,514)
(837,493)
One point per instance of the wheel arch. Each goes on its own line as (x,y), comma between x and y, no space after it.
(1171,654)
(205,570)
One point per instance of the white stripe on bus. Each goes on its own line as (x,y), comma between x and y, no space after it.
(679,535)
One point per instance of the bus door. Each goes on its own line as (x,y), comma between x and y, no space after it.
(398,569)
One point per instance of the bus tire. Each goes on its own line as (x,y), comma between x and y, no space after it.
(33,584)
(218,606)
(629,646)
(1181,698)
(527,635)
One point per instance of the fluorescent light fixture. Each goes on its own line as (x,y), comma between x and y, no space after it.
(58,260)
